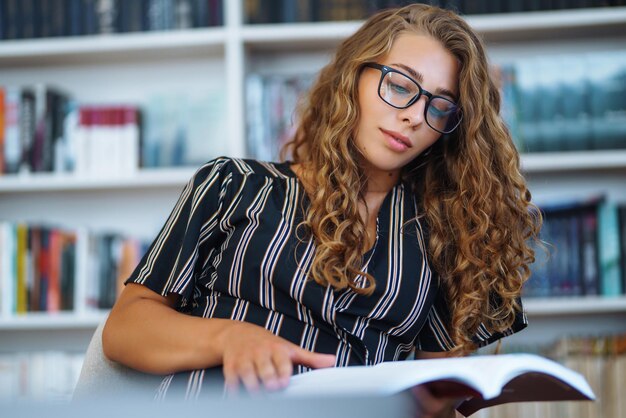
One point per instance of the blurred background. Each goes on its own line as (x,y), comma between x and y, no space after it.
(107,107)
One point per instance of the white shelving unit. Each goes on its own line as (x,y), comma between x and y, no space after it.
(60,321)
(131,67)
(42,182)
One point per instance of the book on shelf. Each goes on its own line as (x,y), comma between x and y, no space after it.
(568,102)
(51,269)
(45,130)
(622,238)
(289,11)
(102,140)
(34,127)
(184,128)
(608,102)
(29,19)
(609,249)
(482,381)
(2,127)
(583,253)
(271,102)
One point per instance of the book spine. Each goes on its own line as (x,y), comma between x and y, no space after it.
(90,15)
(8,268)
(44,268)
(27,128)
(74,18)
(609,241)
(589,251)
(12,136)
(54,290)
(34,281)
(527,104)
(182,12)
(13,19)
(21,268)
(31,26)
(40,151)
(68,274)
(622,235)
(3,112)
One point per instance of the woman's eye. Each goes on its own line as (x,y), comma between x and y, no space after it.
(440,108)
(397,88)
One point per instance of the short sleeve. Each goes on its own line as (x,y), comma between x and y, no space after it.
(171,263)
(434,336)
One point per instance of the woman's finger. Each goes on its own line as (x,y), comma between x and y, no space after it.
(284,367)
(231,380)
(247,374)
(311,359)
(266,371)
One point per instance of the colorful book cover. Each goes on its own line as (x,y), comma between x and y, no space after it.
(609,249)
(12,136)
(21,260)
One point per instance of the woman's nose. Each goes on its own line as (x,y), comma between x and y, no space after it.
(415,114)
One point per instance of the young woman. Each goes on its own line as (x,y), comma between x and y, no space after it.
(401,224)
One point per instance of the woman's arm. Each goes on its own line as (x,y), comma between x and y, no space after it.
(146,333)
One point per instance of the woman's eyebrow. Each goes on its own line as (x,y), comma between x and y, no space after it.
(420,79)
(415,74)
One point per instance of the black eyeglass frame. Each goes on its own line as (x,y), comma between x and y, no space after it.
(384,70)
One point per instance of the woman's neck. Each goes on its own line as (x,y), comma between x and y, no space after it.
(380,182)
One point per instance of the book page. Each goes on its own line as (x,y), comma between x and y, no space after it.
(486,374)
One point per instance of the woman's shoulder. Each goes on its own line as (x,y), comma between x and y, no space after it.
(238,168)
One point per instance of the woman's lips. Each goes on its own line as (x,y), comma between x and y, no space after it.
(397,141)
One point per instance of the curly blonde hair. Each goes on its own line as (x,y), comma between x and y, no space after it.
(470,189)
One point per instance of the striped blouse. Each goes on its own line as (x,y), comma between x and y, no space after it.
(231,248)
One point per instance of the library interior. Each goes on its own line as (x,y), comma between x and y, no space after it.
(108,107)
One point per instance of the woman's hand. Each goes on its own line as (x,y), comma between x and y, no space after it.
(257,358)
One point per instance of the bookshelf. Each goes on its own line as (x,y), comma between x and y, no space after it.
(60,321)
(117,47)
(41,182)
(132,67)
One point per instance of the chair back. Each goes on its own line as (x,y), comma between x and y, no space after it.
(100,376)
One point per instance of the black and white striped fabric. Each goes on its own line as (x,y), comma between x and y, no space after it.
(232,249)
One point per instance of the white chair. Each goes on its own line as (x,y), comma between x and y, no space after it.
(100,376)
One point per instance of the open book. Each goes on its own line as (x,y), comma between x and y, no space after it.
(481,380)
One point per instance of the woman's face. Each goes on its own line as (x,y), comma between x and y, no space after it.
(390,138)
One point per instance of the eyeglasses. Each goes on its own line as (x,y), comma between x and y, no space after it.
(401,91)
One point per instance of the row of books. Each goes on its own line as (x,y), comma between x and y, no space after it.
(584,251)
(103,141)
(271,102)
(550,104)
(600,359)
(290,11)
(26,19)
(184,128)
(49,269)
(31,127)
(42,129)
(566,102)
(40,376)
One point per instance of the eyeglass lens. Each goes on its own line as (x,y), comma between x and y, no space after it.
(399,90)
